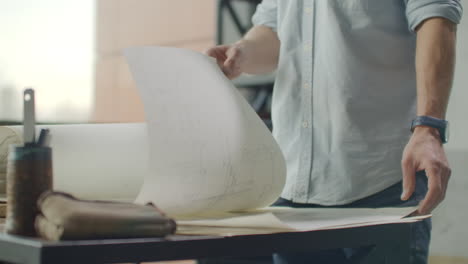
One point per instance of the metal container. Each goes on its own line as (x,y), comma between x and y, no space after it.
(29,174)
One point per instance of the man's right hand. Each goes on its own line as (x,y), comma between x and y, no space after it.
(256,53)
(229,57)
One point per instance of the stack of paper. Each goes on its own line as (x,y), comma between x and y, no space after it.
(285,219)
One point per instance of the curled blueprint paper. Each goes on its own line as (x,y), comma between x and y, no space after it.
(209,151)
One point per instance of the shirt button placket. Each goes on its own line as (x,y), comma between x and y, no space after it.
(302,183)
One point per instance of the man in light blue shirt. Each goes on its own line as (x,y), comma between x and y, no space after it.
(351,77)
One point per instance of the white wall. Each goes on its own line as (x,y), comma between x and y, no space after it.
(458,107)
(450,232)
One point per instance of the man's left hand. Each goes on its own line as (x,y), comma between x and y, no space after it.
(425,152)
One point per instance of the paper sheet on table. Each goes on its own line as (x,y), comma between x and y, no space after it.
(209,150)
(286,219)
(238,231)
(95,161)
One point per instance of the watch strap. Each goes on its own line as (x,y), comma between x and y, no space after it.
(430,121)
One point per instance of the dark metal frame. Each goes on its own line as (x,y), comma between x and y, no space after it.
(227,5)
(262,91)
(391,246)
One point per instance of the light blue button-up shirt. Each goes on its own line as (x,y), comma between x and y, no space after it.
(345,91)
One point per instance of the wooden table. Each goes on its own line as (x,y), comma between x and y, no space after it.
(391,246)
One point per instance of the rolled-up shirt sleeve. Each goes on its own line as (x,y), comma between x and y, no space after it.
(266,14)
(419,10)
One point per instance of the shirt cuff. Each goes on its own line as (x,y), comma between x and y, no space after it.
(419,10)
(265,16)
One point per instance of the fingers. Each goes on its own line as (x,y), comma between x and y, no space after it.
(437,185)
(232,55)
(218,52)
(227,57)
(409,178)
(231,66)
(424,151)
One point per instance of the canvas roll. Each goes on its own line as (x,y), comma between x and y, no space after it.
(91,161)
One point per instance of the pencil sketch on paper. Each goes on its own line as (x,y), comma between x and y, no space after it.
(209,151)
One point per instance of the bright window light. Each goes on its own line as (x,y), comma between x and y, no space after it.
(47,45)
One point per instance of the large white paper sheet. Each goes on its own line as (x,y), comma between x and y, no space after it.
(286,219)
(302,219)
(209,150)
(237,231)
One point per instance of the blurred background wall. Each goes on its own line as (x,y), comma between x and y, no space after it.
(47,45)
(126,23)
(450,233)
(70,52)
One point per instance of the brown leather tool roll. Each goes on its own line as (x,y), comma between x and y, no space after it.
(64,217)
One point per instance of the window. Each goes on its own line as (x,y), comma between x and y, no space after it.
(47,45)
(70,53)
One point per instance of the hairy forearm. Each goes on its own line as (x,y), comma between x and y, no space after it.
(261,46)
(435,62)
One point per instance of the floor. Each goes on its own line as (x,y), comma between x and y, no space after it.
(174,262)
(447,260)
(432,260)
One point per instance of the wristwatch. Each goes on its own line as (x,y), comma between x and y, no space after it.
(439,124)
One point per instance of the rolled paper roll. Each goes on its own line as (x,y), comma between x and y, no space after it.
(92,161)
(8,137)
